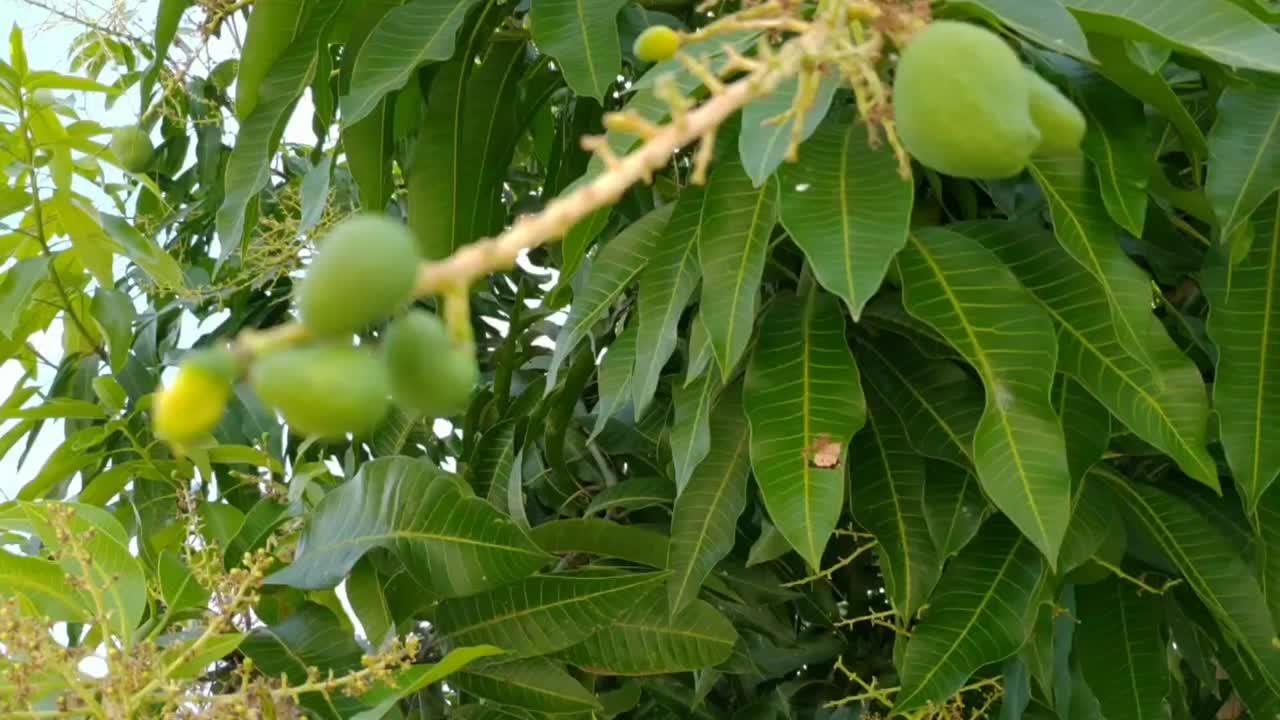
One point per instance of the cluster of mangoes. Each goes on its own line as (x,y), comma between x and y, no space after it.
(967,107)
(363,273)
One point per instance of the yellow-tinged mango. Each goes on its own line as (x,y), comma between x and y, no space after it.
(191,407)
(323,390)
(656,43)
(364,269)
(962,102)
(430,373)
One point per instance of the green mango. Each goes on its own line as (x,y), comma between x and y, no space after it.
(133,149)
(430,372)
(1061,124)
(324,390)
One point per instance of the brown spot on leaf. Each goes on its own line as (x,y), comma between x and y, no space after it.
(824,453)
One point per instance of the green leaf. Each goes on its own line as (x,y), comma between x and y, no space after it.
(1244,322)
(635,493)
(491,464)
(1216,29)
(737,219)
(939,403)
(615,268)
(593,536)
(366,591)
(1047,22)
(1212,566)
(1116,143)
(967,295)
(369,141)
(667,283)
(190,666)
(980,614)
(272,26)
(1119,645)
(18,284)
(457,544)
(705,520)
(115,313)
(648,639)
(311,637)
(1086,424)
(886,496)
(536,684)
(248,166)
(145,252)
(691,429)
(1095,519)
(803,397)
(846,207)
(168,16)
(1085,230)
(383,698)
(88,241)
(582,35)
(544,613)
(43,584)
(408,36)
(763,143)
(178,586)
(1165,406)
(614,378)
(1244,153)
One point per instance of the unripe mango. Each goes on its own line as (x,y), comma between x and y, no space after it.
(132,147)
(962,102)
(191,407)
(323,390)
(1061,124)
(430,373)
(656,43)
(364,270)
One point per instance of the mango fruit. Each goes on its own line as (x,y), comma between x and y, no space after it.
(190,408)
(1061,124)
(656,43)
(364,269)
(962,102)
(430,372)
(132,147)
(323,390)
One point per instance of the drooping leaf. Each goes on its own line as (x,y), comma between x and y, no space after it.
(1095,517)
(691,428)
(1164,405)
(593,536)
(368,142)
(456,544)
(1244,152)
(311,637)
(967,295)
(705,519)
(803,397)
(383,697)
(536,684)
(886,495)
(43,585)
(1086,425)
(582,35)
(408,36)
(1119,645)
(666,285)
(635,493)
(763,142)
(737,219)
(1244,322)
(648,639)
(954,506)
(615,377)
(544,613)
(847,209)
(980,613)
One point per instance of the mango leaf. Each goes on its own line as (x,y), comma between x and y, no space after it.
(369,141)
(1119,645)
(145,252)
(763,143)
(886,496)
(1164,405)
(635,493)
(846,207)
(536,684)
(383,698)
(168,15)
(582,35)
(17,284)
(178,586)
(1084,228)
(248,166)
(967,295)
(939,403)
(1244,153)
(457,544)
(667,283)
(42,584)
(1047,22)
(366,591)
(408,36)
(1086,424)
(1217,29)
(1244,322)
(1095,516)
(737,219)
(1212,566)
(311,637)
(615,268)
(544,613)
(803,398)
(691,428)
(593,536)
(614,378)
(980,614)
(194,665)
(705,519)
(954,506)
(695,638)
